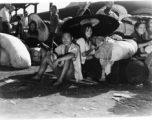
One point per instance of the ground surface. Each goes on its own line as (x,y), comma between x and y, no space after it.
(26,100)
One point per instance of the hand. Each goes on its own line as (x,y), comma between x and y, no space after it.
(150,43)
(116,37)
(89,57)
(93,47)
(56,62)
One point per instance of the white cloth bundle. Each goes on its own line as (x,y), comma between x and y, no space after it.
(13,51)
(110,51)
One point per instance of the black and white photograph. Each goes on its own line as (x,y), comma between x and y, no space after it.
(75,59)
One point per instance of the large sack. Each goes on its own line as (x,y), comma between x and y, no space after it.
(148,61)
(116,50)
(125,28)
(42,28)
(4,58)
(16,51)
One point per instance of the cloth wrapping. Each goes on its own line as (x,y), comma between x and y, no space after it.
(13,51)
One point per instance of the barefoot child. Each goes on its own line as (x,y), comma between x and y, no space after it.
(67,65)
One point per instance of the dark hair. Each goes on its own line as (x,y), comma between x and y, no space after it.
(18,17)
(83,30)
(138,23)
(33,22)
(54,6)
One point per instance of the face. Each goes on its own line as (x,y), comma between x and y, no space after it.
(109,4)
(88,32)
(32,26)
(66,39)
(53,9)
(141,29)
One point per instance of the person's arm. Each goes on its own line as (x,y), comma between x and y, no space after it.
(56,22)
(86,53)
(66,57)
(144,44)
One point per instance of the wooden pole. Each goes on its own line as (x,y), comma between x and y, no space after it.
(50,25)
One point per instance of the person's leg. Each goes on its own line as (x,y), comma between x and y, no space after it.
(46,61)
(67,72)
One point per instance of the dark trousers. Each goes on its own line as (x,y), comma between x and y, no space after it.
(92,68)
(6,27)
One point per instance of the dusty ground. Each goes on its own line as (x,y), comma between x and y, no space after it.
(25,100)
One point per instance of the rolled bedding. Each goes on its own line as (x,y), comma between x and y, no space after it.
(12,50)
(112,50)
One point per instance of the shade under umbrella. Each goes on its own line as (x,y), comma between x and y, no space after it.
(102,25)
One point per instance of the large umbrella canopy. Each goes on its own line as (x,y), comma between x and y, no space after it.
(102,25)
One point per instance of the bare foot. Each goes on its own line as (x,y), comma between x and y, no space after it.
(58,82)
(102,79)
(36,77)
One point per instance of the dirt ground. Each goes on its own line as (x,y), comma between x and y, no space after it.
(72,100)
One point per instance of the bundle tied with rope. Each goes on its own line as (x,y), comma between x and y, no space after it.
(111,50)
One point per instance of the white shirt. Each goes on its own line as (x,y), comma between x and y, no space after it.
(4,14)
(84,46)
(60,50)
(24,21)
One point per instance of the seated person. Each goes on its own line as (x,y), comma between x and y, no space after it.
(65,64)
(32,35)
(140,28)
(91,67)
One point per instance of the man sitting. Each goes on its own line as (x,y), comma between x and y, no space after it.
(65,62)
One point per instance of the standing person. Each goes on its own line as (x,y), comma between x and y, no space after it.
(107,11)
(54,21)
(5,19)
(65,62)
(139,30)
(19,28)
(91,67)
(32,35)
(25,20)
(148,33)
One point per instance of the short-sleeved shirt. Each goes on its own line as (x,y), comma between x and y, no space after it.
(111,14)
(84,46)
(60,50)
(54,20)
(4,14)
(137,38)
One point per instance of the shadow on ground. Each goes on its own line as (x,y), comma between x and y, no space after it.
(30,90)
